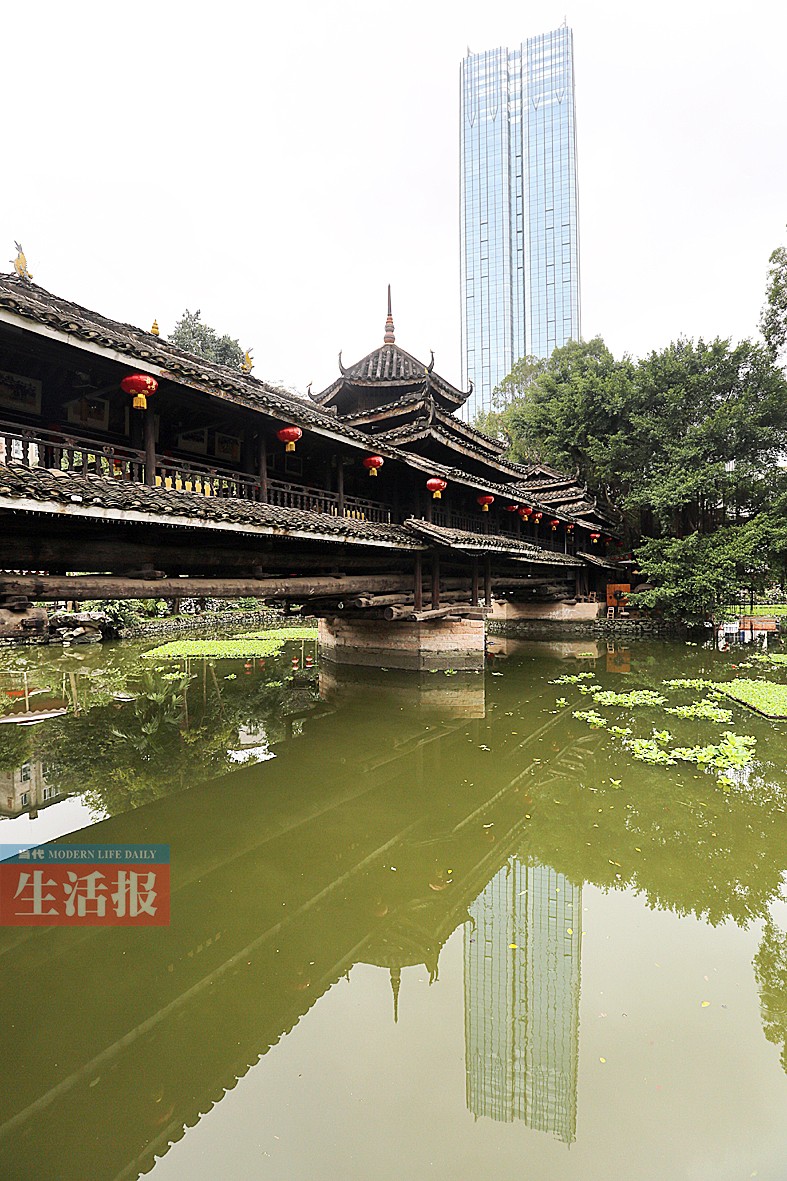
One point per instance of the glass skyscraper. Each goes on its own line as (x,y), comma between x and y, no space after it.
(518,220)
(522,972)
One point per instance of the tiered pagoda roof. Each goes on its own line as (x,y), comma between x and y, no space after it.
(409,409)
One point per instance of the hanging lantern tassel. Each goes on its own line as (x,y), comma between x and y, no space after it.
(594,538)
(485,502)
(436,487)
(141,385)
(290,436)
(373,463)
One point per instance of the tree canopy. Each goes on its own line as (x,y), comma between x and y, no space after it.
(687,442)
(191,334)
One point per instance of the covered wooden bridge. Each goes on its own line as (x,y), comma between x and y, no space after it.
(370,503)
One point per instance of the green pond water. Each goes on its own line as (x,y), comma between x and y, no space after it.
(430,927)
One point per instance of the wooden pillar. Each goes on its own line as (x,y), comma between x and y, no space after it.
(263,470)
(149,434)
(418,588)
(340,485)
(474,593)
(247,450)
(487,580)
(435,580)
(428,513)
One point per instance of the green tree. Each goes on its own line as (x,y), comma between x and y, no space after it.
(773,318)
(512,391)
(192,335)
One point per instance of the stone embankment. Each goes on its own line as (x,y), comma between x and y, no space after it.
(617,628)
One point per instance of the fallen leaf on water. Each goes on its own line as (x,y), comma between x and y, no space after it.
(705,1004)
(514,946)
(602,1059)
(569,931)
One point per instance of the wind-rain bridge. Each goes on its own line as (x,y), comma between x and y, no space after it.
(371,505)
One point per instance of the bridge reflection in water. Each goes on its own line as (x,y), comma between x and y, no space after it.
(281,883)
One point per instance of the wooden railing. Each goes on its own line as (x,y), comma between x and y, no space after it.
(65,452)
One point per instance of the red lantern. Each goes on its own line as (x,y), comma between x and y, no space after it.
(525,510)
(594,537)
(554,523)
(141,385)
(485,502)
(537,517)
(512,508)
(569,528)
(436,487)
(289,435)
(372,463)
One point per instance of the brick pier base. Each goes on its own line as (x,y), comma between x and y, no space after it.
(437,645)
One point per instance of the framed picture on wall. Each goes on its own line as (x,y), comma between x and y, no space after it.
(195,441)
(227,448)
(89,412)
(19,393)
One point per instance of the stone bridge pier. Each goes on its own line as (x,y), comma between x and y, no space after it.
(428,646)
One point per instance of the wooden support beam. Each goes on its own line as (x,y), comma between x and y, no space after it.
(49,588)
(149,436)
(435,597)
(340,486)
(460,610)
(418,596)
(395,600)
(487,580)
(263,469)
(474,592)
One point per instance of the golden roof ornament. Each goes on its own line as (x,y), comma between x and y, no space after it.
(20,263)
(154,329)
(247,364)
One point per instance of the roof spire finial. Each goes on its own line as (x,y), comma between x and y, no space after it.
(396,980)
(389,337)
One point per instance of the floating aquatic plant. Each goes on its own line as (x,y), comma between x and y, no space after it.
(705,710)
(571,678)
(764,696)
(593,719)
(634,698)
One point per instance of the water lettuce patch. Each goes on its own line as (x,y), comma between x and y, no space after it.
(765,697)
(256,644)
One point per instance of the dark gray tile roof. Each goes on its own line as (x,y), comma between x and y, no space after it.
(52,489)
(489,543)
(606,563)
(34,303)
(392,366)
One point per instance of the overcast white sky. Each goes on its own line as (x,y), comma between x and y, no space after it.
(276,165)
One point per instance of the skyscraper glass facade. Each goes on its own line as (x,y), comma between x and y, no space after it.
(522,971)
(518,208)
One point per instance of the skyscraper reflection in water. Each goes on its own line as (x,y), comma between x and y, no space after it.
(522,969)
